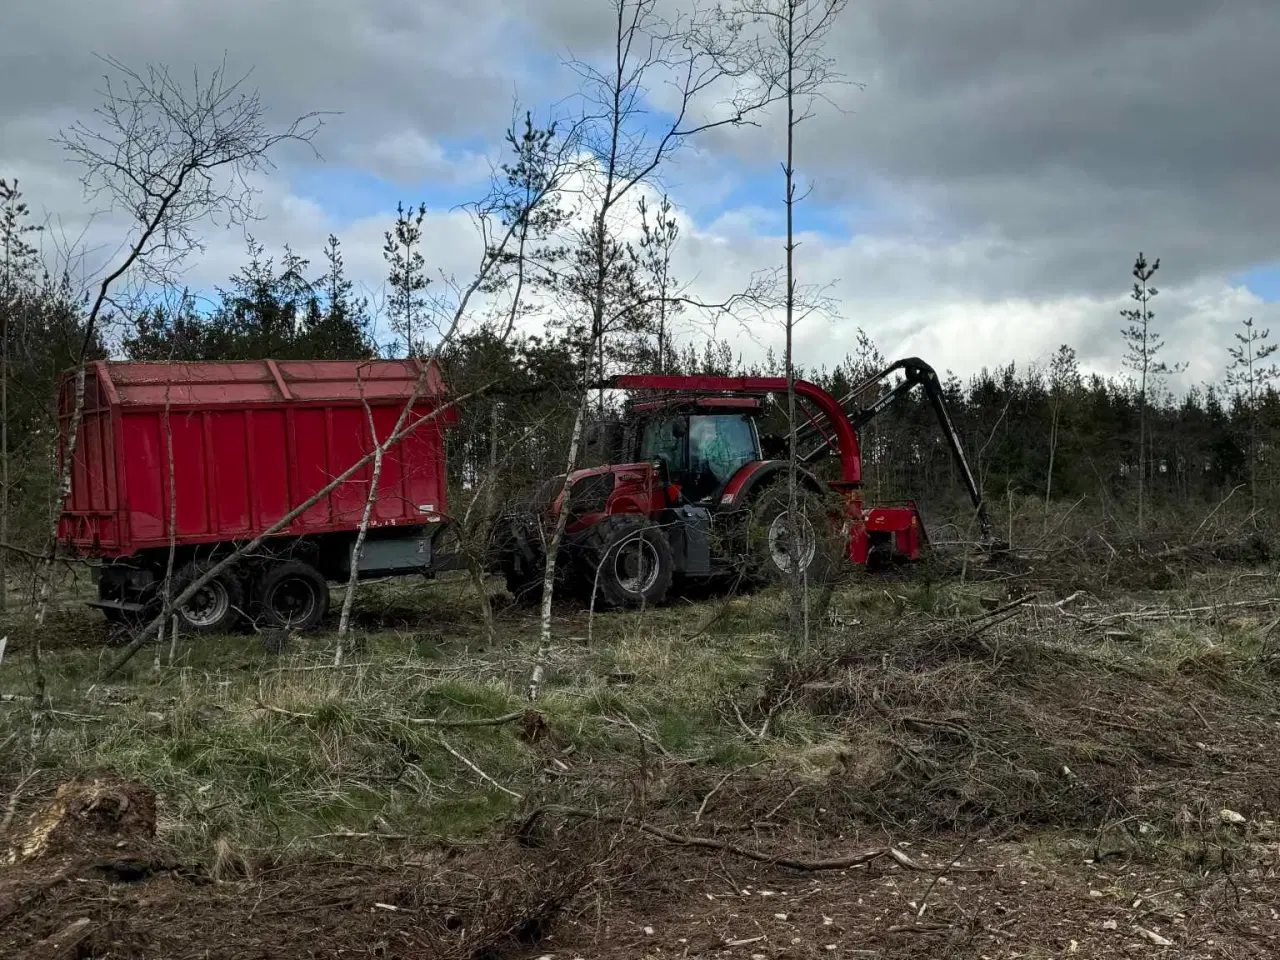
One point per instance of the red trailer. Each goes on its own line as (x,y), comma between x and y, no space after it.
(250,442)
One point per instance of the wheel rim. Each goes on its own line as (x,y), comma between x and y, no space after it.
(780,543)
(292,600)
(636,565)
(208,606)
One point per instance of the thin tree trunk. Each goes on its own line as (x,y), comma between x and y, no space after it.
(167,608)
(353,578)
(4,449)
(799,617)
(1142,445)
(1053,450)
(553,553)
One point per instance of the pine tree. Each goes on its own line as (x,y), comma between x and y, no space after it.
(1064,379)
(1142,344)
(1250,375)
(658,238)
(340,328)
(407,275)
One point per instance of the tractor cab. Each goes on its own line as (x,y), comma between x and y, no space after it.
(699,444)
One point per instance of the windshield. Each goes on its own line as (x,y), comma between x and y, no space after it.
(718,446)
(661,443)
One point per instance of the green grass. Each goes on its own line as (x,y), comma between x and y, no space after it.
(277,753)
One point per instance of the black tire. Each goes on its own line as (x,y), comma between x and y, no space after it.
(521,557)
(626,562)
(217,607)
(768,549)
(292,596)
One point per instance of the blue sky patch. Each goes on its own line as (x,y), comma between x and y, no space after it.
(1263,281)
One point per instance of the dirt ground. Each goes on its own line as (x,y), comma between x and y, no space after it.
(996,900)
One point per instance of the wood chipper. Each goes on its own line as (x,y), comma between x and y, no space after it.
(687,490)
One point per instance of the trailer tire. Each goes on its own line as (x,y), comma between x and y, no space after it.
(293,596)
(216,607)
(626,562)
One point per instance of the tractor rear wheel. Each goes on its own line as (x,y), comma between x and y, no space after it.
(780,545)
(625,561)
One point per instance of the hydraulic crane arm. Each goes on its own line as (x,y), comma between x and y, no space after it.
(917,373)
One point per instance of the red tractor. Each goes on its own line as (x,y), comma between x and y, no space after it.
(687,489)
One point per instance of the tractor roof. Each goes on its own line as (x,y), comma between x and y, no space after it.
(709,403)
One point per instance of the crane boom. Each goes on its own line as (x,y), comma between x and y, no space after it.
(917,374)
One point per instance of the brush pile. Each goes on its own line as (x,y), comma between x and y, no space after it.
(988,723)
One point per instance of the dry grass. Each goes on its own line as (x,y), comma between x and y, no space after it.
(1109,723)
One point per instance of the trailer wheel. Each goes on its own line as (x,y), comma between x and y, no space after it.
(294,596)
(216,607)
(626,561)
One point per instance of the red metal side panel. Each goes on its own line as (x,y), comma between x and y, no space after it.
(348,442)
(144,477)
(232,487)
(271,465)
(191,476)
(391,492)
(310,465)
(421,454)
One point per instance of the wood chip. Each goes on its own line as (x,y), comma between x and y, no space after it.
(1153,937)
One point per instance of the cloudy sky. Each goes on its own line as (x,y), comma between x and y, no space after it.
(978,195)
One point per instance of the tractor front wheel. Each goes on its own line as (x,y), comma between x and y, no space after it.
(626,562)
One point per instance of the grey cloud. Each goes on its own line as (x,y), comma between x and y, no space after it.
(1077,131)
(442,69)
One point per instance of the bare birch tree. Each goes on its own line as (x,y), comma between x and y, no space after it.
(695,61)
(794,67)
(170,157)
(523,200)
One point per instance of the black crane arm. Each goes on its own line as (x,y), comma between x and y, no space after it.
(917,373)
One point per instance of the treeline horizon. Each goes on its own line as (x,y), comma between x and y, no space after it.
(1047,431)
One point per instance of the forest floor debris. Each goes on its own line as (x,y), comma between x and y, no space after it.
(1028,783)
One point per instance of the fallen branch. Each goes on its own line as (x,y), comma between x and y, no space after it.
(697,817)
(12,806)
(482,722)
(483,776)
(286,713)
(1158,614)
(997,616)
(64,943)
(860,859)
(924,901)
(782,803)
